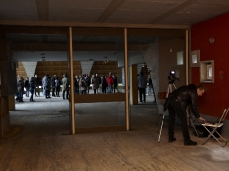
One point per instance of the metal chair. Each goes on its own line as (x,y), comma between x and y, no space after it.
(215,126)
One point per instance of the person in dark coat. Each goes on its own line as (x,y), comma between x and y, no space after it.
(179,100)
(26,83)
(57,85)
(142,83)
(47,87)
(115,83)
(37,84)
(104,84)
(76,85)
(53,85)
(20,89)
(32,87)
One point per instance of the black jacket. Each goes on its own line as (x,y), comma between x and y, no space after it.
(186,95)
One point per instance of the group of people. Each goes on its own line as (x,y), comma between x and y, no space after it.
(28,86)
(98,84)
(51,86)
(52,83)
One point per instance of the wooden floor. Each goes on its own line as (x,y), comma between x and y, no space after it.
(39,140)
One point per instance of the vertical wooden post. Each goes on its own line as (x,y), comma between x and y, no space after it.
(126,79)
(187,59)
(72,106)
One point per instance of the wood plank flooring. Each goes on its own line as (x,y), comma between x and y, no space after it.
(39,141)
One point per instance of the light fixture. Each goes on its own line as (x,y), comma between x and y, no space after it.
(211,40)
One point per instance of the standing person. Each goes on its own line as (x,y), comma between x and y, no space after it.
(65,83)
(53,85)
(115,83)
(94,83)
(37,84)
(44,83)
(88,82)
(20,89)
(26,87)
(98,78)
(104,84)
(142,83)
(179,100)
(110,82)
(57,84)
(150,85)
(76,85)
(32,88)
(83,85)
(48,87)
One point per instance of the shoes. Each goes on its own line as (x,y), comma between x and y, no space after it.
(171,139)
(190,143)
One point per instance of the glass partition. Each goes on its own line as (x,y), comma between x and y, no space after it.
(99,94)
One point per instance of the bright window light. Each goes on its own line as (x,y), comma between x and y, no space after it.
(180,58)
(194,58)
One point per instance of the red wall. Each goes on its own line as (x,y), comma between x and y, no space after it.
(216,99)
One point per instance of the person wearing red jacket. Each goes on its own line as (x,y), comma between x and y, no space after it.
(110,82)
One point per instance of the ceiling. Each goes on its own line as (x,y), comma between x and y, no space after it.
(39,28)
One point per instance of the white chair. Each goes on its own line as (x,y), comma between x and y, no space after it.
(214,127)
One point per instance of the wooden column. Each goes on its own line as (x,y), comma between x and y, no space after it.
(187,59)
(133,85)
(11,100)
(4,87)
(126,80)
(72,104)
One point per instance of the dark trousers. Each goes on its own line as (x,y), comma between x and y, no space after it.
(31,97)
(142,91)
(104,89)
(20,95)
(76,90)
(83,91)
(27,91)
(53,91)
(67,94)
(175,108)
(37,91)
(47,93)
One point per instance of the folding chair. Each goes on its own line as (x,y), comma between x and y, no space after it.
(215,126)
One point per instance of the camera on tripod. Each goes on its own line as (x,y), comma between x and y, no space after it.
(172,78)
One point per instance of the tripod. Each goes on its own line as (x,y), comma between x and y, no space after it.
(169,90)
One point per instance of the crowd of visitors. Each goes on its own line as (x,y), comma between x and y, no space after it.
(51,86)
